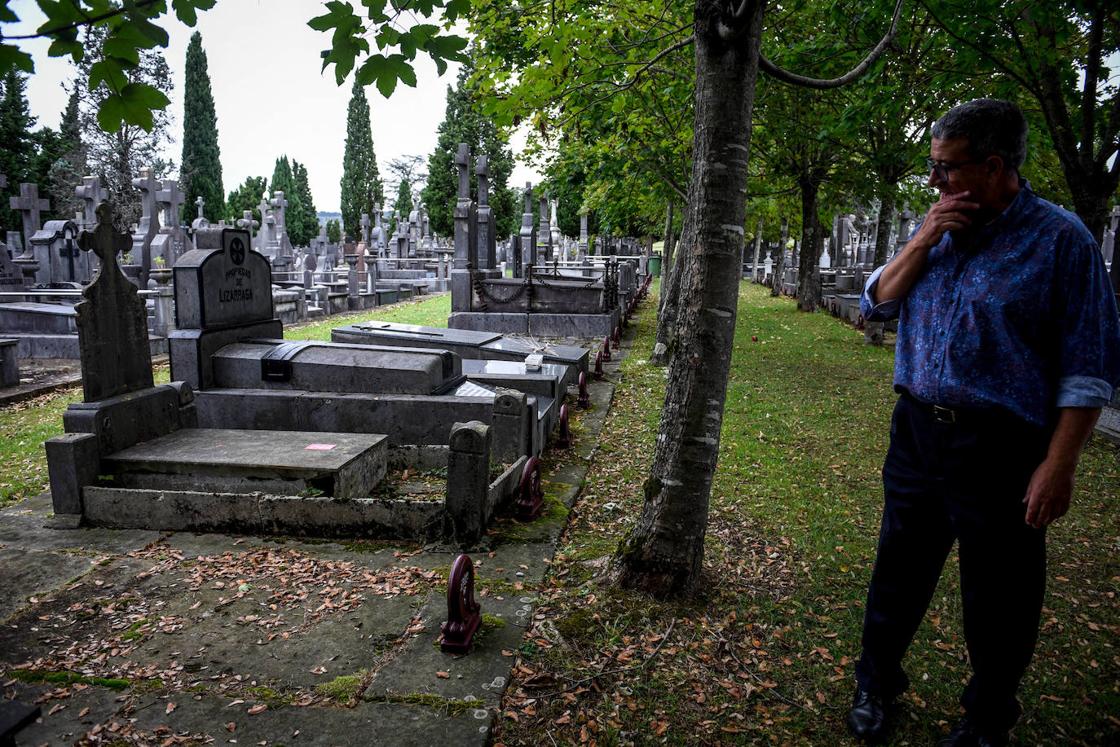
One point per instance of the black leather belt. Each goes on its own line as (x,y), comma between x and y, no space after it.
(946,415)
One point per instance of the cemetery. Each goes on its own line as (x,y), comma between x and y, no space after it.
(641,399)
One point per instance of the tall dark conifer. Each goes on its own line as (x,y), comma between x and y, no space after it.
(309,216)
(66,172)
(403,205)
(361,182)
(463,122)
(17,147)
(201,170)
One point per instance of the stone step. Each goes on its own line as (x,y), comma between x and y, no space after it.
(339,465)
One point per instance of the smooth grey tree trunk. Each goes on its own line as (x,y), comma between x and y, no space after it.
(663,552)
(873,331)
(779,262)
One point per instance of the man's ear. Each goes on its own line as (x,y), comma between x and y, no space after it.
(994,164)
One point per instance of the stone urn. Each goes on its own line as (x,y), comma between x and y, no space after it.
(161,275)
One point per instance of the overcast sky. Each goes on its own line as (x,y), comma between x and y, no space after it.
(269,94)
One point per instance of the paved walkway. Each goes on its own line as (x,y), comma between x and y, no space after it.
(137,637)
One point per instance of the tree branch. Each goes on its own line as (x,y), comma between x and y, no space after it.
(89,21)
(800,80)
(1092,75)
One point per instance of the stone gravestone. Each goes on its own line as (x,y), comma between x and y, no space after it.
(112,320)
(487,247)
(92,194)
(247,222)
(30,208)
(544,233)
(171,242)
(284,249)
(11,277)
(528,236)
(466,250)
(149,223)
(1108,243)
(56,250)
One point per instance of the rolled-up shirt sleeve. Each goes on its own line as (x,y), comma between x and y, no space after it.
(1090,362)
(873,312)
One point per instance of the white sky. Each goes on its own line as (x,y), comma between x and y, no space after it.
(269,94)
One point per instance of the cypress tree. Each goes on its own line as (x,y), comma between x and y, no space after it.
(361,183)
(283,180)
(201,170)
(66,173)
(403,205)
(309,216)
(463,122)
(17,147)
(247,196)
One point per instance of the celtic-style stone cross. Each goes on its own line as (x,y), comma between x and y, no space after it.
(112,320)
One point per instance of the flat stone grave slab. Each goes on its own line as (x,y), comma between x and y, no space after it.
(546,381)
(342,465)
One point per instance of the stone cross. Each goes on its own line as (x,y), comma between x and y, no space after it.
(112,320)
(149,188)
(91,193)
(201,203)
(365,228)
(462,161)
(31,207)
(247,222)
(170,198)
(482,170)
(281,206)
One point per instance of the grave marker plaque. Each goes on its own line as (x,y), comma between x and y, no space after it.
(223,282)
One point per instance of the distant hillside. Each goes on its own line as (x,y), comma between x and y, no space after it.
(324,217)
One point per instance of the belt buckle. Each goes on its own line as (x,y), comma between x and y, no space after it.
(944,414)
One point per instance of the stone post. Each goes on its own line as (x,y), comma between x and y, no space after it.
(30,207)
(527,234)
(468,480)
(544,233)
(510,427)
(486,239)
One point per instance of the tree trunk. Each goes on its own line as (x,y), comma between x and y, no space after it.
(873,331)
(667,315)
(809,270)
(757,249)
(779,262)
(666,256)
(664,551)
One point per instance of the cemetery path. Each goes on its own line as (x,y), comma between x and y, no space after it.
(139,637)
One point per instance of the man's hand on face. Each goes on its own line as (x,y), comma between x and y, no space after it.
(1048,494)
(951,213)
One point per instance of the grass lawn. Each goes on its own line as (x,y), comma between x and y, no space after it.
(24,426)
(765,652)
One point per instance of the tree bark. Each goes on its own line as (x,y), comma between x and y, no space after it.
(809,270)
(779,262)
(664,551)
(873,331)
(757,249)
(666,341)
(666,256)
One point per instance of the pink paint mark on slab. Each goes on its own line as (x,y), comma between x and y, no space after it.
(319,447)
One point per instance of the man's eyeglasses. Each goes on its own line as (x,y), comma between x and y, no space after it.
(943,168)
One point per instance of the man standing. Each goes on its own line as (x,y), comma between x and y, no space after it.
(1008,346)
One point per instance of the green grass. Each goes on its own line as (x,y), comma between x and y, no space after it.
(428,311)
(26,425)
(794,519)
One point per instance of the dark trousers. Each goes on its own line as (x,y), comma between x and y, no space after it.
(962,481)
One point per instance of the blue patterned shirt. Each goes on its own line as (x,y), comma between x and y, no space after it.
(1019,316)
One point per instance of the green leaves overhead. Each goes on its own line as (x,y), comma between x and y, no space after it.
(131,27)
(384,23)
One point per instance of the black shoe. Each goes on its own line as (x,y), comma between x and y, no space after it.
(967,734)
(868,718)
